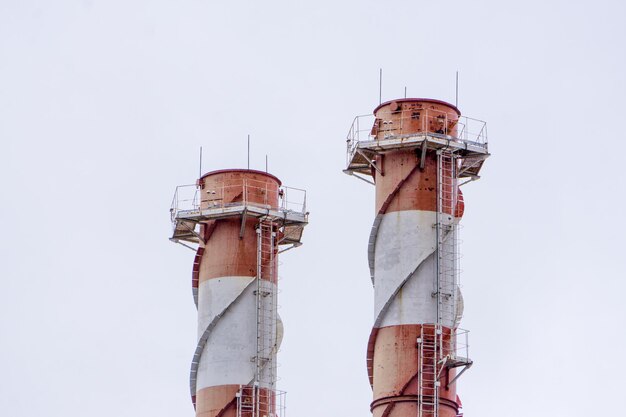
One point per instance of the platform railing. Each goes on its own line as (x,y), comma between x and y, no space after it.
(292,199)
(189,198)
(460,344)
(185,199)
(432,122)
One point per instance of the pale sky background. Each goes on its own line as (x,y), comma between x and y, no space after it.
(104,105)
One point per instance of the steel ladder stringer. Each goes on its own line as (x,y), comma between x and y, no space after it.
(261,400)
(432,344)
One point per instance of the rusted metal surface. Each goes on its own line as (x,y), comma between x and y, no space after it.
(228,255)
(416,192)
(395,371)
(411,116)
(231,252)
(214,401)
(230,186)
(222,401)
(249,173)
(426,101)
(406,181)
(238,218)
(229,249)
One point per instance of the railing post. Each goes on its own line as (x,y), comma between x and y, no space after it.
(245,191)
(462,132)
(486,138)
(480,134)
(174,206)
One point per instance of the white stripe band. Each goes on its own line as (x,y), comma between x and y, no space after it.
(227,357)
(406,240)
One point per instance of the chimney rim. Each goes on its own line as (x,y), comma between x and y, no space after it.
(243,170)
(427,100)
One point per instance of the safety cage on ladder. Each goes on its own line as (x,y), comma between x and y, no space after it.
(441,350)
(253,401)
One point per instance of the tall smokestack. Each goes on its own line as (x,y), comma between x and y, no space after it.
(417,154)
(240,221)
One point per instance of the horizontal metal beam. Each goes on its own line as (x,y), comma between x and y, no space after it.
(282,216)
(370,161)
(434,142)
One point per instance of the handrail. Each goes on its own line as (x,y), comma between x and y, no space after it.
(460,344)
(189,198)
(468,130)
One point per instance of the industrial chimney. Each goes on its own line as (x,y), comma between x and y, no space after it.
(418,153)
(237,221)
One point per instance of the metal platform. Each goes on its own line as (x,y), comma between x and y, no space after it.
(362,146)
(186,215)
(291,223)
(458,361)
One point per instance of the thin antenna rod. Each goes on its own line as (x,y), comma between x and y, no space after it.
(200,176)
(404,92)
(380,86)
(456,99)
(266,163)
(248,152)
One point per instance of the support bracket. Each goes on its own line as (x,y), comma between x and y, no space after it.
(465,368)
(288,248)
(423,156)
(193,232)
(476,160)
(371,162)
(183,244)
(347,171)
(473,178)
(243,223)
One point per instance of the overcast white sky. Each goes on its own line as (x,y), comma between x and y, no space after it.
(104,104)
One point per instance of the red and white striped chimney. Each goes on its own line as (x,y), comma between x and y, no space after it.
(239,219)
(416,153)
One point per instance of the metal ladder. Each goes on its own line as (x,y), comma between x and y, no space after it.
(266,318)
(246,401)
(258,398)
(265,302)
(429,370)
(447,195)
(433,347)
